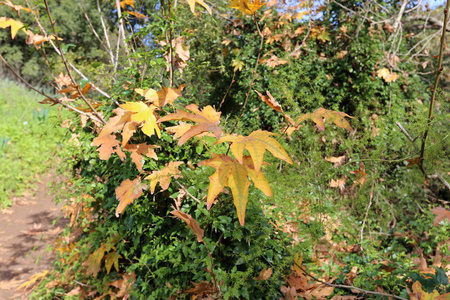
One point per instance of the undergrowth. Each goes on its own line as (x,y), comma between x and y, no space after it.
(30,136)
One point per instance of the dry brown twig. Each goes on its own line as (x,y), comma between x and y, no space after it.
(63,57)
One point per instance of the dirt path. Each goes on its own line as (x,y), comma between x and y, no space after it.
(26,230)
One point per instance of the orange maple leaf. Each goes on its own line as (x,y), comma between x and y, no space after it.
(127,192)
(137,150)
(256,143)
(164,176)
(179,129)
(165,96)
(321,115)
(231,173)
(122,121)
(108,145)
(207,120)
(362,173)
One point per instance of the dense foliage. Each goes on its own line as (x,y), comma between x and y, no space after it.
(355,208)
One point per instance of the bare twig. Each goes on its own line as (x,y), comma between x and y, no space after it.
(365,218)
(56,101)
(228,90)
(105,32)
(36,17)
(350,287)
(122,33)
(436,83)
(441,178)
(108,50)
(63,57)
(253,75)
(187,192)
(405,132)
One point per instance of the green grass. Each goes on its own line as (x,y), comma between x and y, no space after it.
(30,135)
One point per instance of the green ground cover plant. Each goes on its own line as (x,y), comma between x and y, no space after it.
(238,150)
(29,132)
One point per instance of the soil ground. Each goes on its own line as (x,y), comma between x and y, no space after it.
(27,230)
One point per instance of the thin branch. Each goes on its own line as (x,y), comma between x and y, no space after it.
(442,179)
(105,32)
(350,287)
(253,75)
(187,192)
(122,32)
(434,89)
(56,101)
(405,132)
(59,52)
(52,22)
(108,50)
(228,90)
(365,218)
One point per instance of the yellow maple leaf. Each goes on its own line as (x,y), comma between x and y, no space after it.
(15,25)
(201,2)
(164,176)
(112,258)
(150,95)
(322,115)
(383,72)
(33,279)
(248,7)
(256,143)
(419,294)
(143,114)
(231,173)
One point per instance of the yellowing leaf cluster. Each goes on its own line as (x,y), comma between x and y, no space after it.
(248,7)
(207,120)
(387,75)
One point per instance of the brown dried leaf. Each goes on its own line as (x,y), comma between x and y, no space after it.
(264,274)
(164,176)
(127,192)
(191,222)
(137,152)
(337,161)
(441,214)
